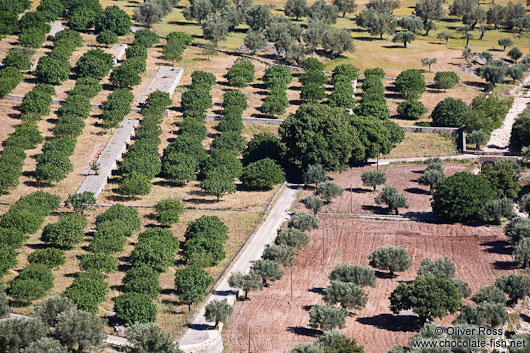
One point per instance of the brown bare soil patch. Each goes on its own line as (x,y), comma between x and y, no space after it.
(357,198)
(278,324)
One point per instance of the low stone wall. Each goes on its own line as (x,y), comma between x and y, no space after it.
(166,80)
(118,52)
(444,130)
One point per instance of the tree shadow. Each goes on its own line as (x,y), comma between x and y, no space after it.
(393,323)
(505,265)
(201,327)
(304,331)
(317,290)
(359,190)
(501,247)
(393,46)
(375,209)
(366,39)
(417,191)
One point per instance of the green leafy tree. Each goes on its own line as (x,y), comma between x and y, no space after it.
(373,178)
(328,190)
(515,54)
(18,59)
(50,257)
(394,259)
(255,40)
(494,71)
(168,211)
(18,333)
(517,286)
(268,270)
(319,10)
(246,282)
(134,308)
(258,17)
(218,184)
(191,284)
(80,202)
(345,6)
(150,338)
(505,42)
(520,133)
(49,310)
(217,311)
(428,296)
(303,221)
(198,10)
(503,177)
(521,253)
(279,253)
(356,274)
(326,317)
(450,112)
(107,38)
(404,37)
(337,41)
(149,13)
(348,295)
(314,203)
(431,177)
(67,232)
(114,19)
(445,80)
(215,28)
(52,70)
(392,198)
(296,8)
(125,76)
(478,138)
(262,174)
(99,262)
(8,257)
(411,84)
(291,237)
(377,23)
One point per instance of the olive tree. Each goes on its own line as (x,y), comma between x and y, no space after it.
(393,259)
(373,178)
(217,311)
(392,198)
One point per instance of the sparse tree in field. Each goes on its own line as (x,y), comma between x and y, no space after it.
(428,296)
(439,267)
(345,6)
(328,190)
(430,178)
(150,337)
(218,184)
(76,328)
(315,174)
(303,221)
(477,137)
(326,317)
(148,13)
(393,259)
(296,8)
(359,275)
(377,23)
(217,311)
(517,286)
(469,10)
(191,284)
(245,282)
(255,40)
(411,23)
(445,36)
(373,178)
(337,41)
(209,49)
(214,29)
(80,202)
(428,11)
(348,295)
(314,203)
(515,72)
(514,54)
(429,62)
(392,198)
(505,42)
(291,237)
(282,254)
(521,253)
(268,270)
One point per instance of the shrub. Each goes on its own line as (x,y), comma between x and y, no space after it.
(375,109)
(125,76)
(202,79)
(275,103)
(517,229)
(134,308)
(461,196)
(262,174)
(143,280)
(17,59)
(344,72)
(87,291)
(145,38)
(277,76)
(8,257)
(145,336)
(241,73)
(50,257)
(326,317)
(67,232)
(235,99)
(134,51)
(450,112)
(32,37)
(134,184)
(99,262)
(411,84)
(12,237)
(313,92)
(107,242)
(503,176)
(446,80)
(31,283)
(88,87)
(168,211)
(129,215)
(373,178)
(411,109)
(196,99)
(52,70)
(75,105)
(9,79)
(71,35)
(94,63)
(156,254)
(107,37)
(49,309)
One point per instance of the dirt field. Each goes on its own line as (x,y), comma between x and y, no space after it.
(276,326)
(357,198)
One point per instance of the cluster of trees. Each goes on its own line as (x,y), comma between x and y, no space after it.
(33,26)
(520,134)
(15,61)
(141,163)
(276,78)
(54,68)
(411,85)
(373,102)
(128,73)
(82,15)
(117,105)
(342,95)
(73,329)
(152,11)
(205,239)
(496,71)
(325,191)
(389,195)
(9,13)
(241,74)
(26,216)
(269,267)
(313,81)
(153,254)
(176,44)
(378,19)
(183,157)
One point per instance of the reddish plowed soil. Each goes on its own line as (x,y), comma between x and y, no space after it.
(277,326)
(359,199)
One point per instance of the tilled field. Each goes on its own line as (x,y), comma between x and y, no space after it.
(359,199)
(277,325)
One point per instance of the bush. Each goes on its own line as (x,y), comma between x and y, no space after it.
(107,37)
(235,99)
(461,196)
(229,141)
(49,257)
(275,103)
(520,134)
(134,184)
(411,109)
(87,291)
(17,59)
(67,232)
(291,237)
(12,237)
(143,280)
(411,84)
(241,73)
(202,79)
(168,211)
(157,254)
(134,51)
(71,35)
(344,72)
(31,283)
(94,63)
(446,80)
(99,262)
(114,19)
(134,308)
(145,38)
(263,146)
(129,215)
(8,257)
(52,70)
(375,109)
(450,113)
(262,174)
(107,242)
(311,64)
(503,176)
(196,99)
(313,92)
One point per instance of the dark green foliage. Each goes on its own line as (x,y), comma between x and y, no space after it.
(196,99)
(229,141)
(50,257)
(125,76)
(411,84)
(275,102)
(280,253)
(18,333)
(314,174)
(206,236)
(99,262)
(393,259)
(45,345)
(517,286)
(150,338)
(277,76)
(342,95)
(156,248)
(235,99)
(438,268)
(303,221)
(450,113)
(143,280)
(202,79)
(28,213)
(461,196)
(348,295)
(263,146)
(107,37)
(191,284)
(134,51)
(67,232)
(9,79)
(145,38)
(119,212)
(52,70)
(87,291)
(241,73)
(411,109)
(328,190)
(373,178)
(134,184)
(49,309)
(517,229)
(503,177)
(372,109)
(32,37)
(94,63)
(428,296)
(114,19)
(18,59)
(168,211)
(75,105)
(445,80)
(487,112)
(392,198)
(520,134)
(12,237)
(262,174)
(8,22)
(179,167)
(291,237)
(88,87)
(360,275)
(31,283)
(223,162)
(81,329)
(8,258)
(326,317)
(71,35)
(308,140)
(245,282)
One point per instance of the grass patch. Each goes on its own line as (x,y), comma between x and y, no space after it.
(423,144)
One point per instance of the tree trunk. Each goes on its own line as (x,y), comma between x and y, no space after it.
(380,35)
(467,43)
(482,35)
(391,273)
(189,308)
(246,295)
(216,324)
(430,67)
(405,43)
(375,187)
(344,14)
(397,211)
(446,41)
